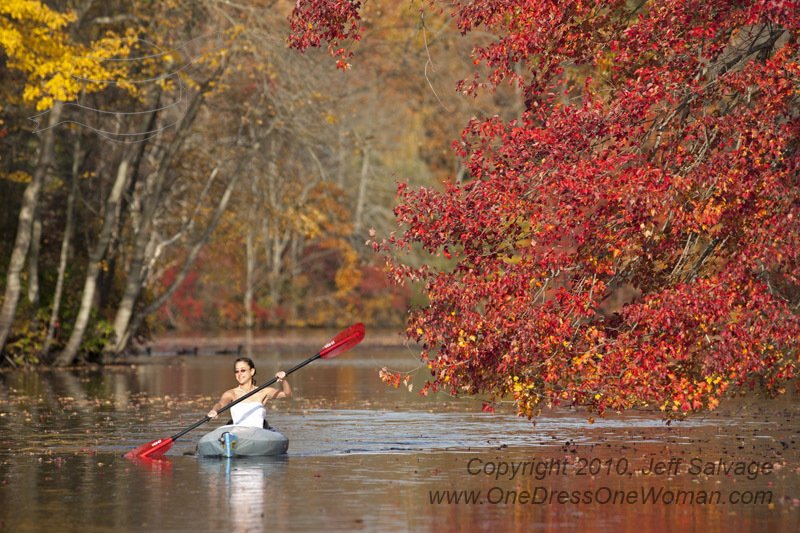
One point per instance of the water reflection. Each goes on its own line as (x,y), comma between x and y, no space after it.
(249,487)
(361,456)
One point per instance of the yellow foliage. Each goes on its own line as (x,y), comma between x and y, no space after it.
(348,276)
(36,42)
(17,177)
(310,221)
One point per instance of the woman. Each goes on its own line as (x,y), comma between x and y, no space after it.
(250,412)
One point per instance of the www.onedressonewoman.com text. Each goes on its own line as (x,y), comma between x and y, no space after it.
(541,495)
(658,470)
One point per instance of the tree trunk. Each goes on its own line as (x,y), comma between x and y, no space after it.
(65,245)
(362,189)
(131,206)
(251,260)
(341,169)
(68,356)
(295,247)
(33,261)
(124,325)
(275,243)
(250,266)
(147,200)
(30,200)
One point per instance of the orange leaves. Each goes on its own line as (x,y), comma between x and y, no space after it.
(389,377)
(628,240)
(395,379)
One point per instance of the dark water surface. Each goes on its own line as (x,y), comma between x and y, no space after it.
(366,457)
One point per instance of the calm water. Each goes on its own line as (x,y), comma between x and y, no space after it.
(365,457)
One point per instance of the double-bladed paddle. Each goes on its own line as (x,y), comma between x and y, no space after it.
(342,342)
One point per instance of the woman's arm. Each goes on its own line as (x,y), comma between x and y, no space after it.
(225,399)
(285,389)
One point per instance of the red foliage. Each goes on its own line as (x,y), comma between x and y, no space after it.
(331,21)
(183,302)
(660,150)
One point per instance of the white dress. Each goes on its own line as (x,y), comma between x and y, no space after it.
(251,414)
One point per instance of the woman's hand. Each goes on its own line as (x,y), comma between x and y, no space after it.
(212,414)
(283,390)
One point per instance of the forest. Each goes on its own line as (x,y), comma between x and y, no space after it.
(174,165)
(586,203)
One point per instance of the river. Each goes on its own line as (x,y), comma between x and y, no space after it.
(363,456)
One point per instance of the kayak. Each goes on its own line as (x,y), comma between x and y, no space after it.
(233,441)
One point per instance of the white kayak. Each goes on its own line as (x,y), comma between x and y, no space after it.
(232,441)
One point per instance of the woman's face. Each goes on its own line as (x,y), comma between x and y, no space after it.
(244,374)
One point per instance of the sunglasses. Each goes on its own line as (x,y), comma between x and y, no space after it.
(241,370)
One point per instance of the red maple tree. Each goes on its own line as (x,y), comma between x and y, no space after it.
(632,239)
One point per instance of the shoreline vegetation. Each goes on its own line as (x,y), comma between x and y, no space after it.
(173,345)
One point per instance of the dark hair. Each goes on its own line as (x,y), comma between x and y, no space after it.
(249,363)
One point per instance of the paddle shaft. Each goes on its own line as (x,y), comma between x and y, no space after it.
(345,340)
(234,402)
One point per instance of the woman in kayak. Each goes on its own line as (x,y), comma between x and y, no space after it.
(250,412)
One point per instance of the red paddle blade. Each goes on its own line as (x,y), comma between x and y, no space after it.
(343,341)
(151,450)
